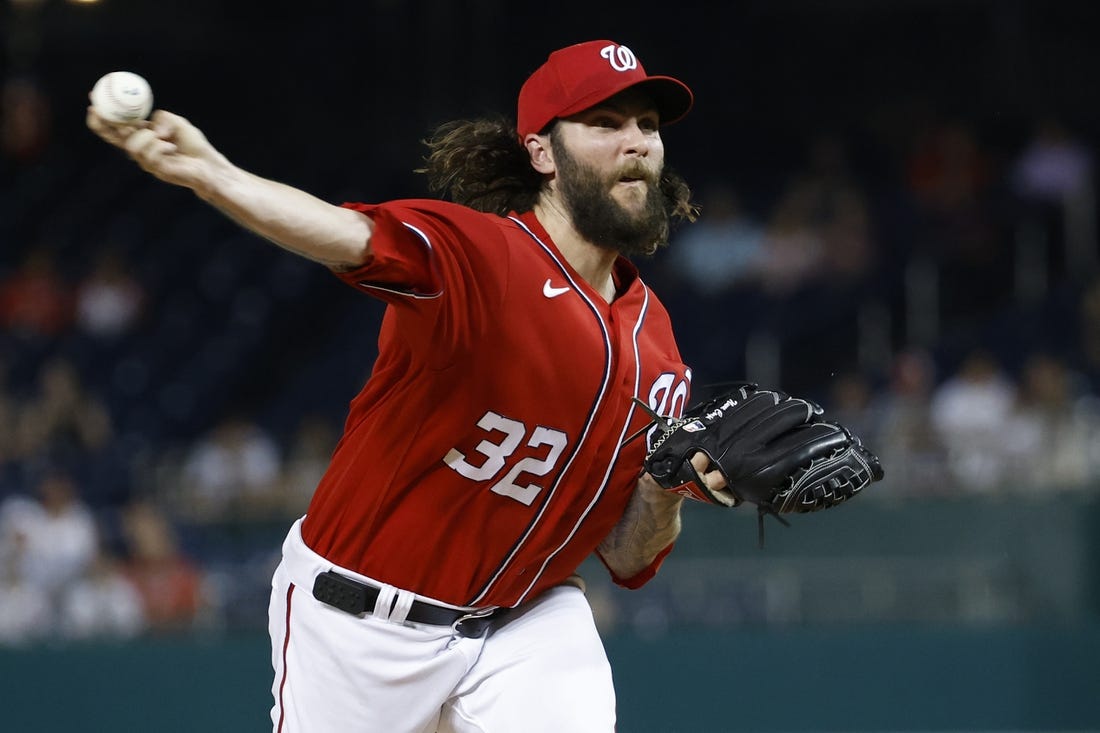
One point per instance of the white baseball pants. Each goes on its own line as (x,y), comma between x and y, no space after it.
(543,671)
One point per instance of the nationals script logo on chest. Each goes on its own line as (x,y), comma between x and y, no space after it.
(621,58)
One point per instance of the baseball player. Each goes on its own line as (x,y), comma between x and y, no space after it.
(430,586)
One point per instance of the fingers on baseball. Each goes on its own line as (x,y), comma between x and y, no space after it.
(147,148)
(112,132)
(179,130)
(166,124)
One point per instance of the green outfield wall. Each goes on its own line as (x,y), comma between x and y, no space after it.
(799,680)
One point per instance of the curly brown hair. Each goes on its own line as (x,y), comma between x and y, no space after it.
(480,163)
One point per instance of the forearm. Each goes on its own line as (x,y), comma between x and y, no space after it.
(293,219)
(650,523)
(171,148)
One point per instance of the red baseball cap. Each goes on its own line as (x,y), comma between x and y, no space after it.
(579,76)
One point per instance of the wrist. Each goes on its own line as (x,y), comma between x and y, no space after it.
(218,178)
(655,494)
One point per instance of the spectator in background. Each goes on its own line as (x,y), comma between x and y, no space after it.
(108,300)
(169,584)
(35,302)
(793,250)
(52,535)
(104,603)
(1054,166)
(837,206)
(950,177)
(1049,442)
(851,404)
(847,242)
(722,249)
(24,120)
(307,457)
(233,470)
(63,422)
(969,412)
(1052,180)
(713,263)
(947,170)
(916,454)
(25,611)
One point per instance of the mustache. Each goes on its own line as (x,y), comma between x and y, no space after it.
(638,169)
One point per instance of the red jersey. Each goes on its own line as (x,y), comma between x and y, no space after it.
(484,458)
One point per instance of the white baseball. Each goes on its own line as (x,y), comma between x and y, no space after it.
(122,96)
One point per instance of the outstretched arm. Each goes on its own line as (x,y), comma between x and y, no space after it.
(172,149)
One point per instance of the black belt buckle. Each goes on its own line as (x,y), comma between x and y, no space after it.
(343,593)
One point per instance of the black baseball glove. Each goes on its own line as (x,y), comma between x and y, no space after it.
(774,451)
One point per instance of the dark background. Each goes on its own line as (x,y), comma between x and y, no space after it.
(280,87)
(768,75)
(336,98)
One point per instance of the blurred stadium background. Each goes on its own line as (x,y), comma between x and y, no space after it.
(899,220)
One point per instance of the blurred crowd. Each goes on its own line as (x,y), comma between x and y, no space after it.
(949,314)
(953,320)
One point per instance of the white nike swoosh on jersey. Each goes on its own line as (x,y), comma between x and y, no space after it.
(552,292)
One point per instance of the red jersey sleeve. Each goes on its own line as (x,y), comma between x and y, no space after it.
(402,260)
(641,577)
(440,266)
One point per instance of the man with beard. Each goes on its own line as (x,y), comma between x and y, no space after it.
(431,585)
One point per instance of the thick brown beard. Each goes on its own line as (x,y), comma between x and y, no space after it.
(599,218)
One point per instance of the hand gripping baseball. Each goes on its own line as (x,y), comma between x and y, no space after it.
(167,146)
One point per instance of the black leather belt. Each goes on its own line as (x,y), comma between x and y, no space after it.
(351,596)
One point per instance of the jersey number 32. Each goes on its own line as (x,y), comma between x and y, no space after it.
(497,454)
(667,397)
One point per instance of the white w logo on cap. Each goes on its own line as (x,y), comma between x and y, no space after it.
(621,58)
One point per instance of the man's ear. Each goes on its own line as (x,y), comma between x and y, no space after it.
(538,147)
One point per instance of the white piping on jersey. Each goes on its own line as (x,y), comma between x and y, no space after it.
(618,447)
(419,296)
(602,393)
(584,431)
